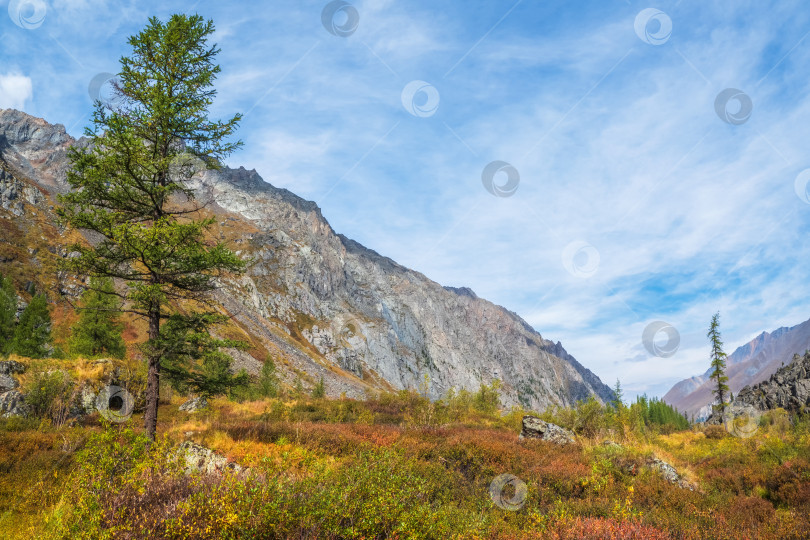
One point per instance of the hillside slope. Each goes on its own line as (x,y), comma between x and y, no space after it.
(319,303)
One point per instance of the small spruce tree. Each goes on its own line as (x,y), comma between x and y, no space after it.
(618,395)
(268,379)
(33,333)
(319,390)
(8,314)
(98,331)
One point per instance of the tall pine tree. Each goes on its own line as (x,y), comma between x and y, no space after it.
(33,332)
(8,314)
(718,358)
(98,331)
(131,184)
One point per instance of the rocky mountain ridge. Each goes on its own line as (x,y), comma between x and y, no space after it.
(788,388)
(320,304)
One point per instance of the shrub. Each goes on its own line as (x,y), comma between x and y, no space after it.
(51,395)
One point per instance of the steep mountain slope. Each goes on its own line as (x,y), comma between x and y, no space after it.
(317,302)
(753,362)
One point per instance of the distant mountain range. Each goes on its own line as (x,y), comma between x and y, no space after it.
(750,364)
(320,304)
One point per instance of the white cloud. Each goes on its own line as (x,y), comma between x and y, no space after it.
(15,90)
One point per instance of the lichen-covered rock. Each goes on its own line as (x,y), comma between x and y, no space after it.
(669,473)
(535,428)
(12,403)
(200,459)
(194,405)
(11,367)
(7,383)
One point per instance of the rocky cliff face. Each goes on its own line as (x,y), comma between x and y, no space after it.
(788,388)
(321,304)
(753,362)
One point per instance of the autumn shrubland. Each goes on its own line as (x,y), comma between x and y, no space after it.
(397,465)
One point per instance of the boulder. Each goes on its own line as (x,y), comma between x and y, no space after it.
(200,459)
(194,405)
(10,367)
(12,403)
(7,383)
(668,473)
(535,428)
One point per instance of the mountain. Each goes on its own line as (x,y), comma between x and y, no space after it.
(318,303)
(753,362)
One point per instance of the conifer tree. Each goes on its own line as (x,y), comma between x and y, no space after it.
(131,186)
(718,358)
(618,395)
(8,314)
(33,332)
(98,331)
(268,379)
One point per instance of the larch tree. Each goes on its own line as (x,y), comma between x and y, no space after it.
(132,191)
(718,365)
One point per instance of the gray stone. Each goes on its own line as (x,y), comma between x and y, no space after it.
(199,459)
(669,473)
(7,383)
(535,428)
(11,367)
(12,403)
(194,405)
(87,399)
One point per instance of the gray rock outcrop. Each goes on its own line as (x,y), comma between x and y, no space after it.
(535,428)
(12,403)
(199,459)
(194,405)
(788,388)
(669,473)
(11,367)
(7,383)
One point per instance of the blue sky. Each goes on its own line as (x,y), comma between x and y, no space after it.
(639,199)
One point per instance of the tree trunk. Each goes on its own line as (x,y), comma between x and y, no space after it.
(152,378)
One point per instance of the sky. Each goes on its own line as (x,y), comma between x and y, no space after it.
(613,171)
